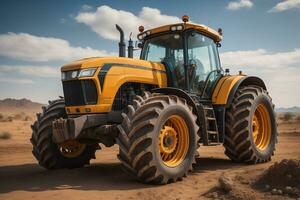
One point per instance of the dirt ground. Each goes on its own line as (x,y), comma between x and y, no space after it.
(22,178)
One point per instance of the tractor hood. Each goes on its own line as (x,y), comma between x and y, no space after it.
(101,88)
(100,61)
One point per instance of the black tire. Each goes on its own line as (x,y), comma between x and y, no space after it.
(138,138)
(45,150)
(239,143)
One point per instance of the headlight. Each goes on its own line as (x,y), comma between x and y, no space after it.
(63,75)
(74,74)
(177,28)
(140,37)
(69,74)
(173,28)
(78,73)
(86,72)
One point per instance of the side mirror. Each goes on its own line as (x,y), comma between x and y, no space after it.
(140,45)
(219,45)
(220,31)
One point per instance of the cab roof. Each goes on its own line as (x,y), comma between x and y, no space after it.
(200,27)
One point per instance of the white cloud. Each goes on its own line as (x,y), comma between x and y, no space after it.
(38,71)
(286,5)
(280,71)
(236,5)
(86,7)
(16,80)
(24,46)
(262,58)
(103,20)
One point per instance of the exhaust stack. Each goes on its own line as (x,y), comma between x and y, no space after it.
(130,47)
(122,45)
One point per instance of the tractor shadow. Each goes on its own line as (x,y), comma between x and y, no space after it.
(98,176)
(32,177)
(209,164)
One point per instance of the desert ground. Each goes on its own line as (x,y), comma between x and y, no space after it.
(22,178)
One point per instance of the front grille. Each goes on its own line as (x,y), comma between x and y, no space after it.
(80,92)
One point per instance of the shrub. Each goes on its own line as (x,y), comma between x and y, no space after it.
(18,116)
(9,119)
(27,118)
(288,116)
(5,135)
(5,118)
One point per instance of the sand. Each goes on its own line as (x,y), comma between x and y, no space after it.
(22,178)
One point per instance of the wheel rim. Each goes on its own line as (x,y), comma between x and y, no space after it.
(71,148)
(173,141)
(261,127)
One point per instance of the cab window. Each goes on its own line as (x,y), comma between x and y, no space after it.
(203,61)
(168,49)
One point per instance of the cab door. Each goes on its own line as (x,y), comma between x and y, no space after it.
(203,66)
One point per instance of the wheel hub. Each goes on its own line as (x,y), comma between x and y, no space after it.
(173,141)
(168,139)
(71,148)
(261,127)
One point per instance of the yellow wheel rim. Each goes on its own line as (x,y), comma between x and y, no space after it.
(261,127)
(71,148)
(174,141)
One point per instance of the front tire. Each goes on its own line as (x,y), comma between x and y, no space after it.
(251,128)
(49,154)
(158,138)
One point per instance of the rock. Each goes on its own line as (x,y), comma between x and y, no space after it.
(245,182)
(215,195)
(279,192)
(288,189)
(274,191)
(267,187)
(225,183)
(212,195)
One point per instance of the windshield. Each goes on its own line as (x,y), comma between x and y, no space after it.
(168,49)
(164,47)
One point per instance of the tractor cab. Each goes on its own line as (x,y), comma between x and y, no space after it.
(189,52)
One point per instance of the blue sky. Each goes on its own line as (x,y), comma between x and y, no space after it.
(37,37)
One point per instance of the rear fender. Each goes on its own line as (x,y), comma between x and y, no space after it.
(224,93)
(228,85)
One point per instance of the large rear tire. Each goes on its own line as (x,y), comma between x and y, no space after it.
(71,154)
(158,138)
(251,128)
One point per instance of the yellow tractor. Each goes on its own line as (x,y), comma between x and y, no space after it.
(158,108)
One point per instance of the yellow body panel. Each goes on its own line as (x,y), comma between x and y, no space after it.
(140,71)
(223,88)
(200,27)
(99,61)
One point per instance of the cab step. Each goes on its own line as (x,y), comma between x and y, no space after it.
(210,126)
